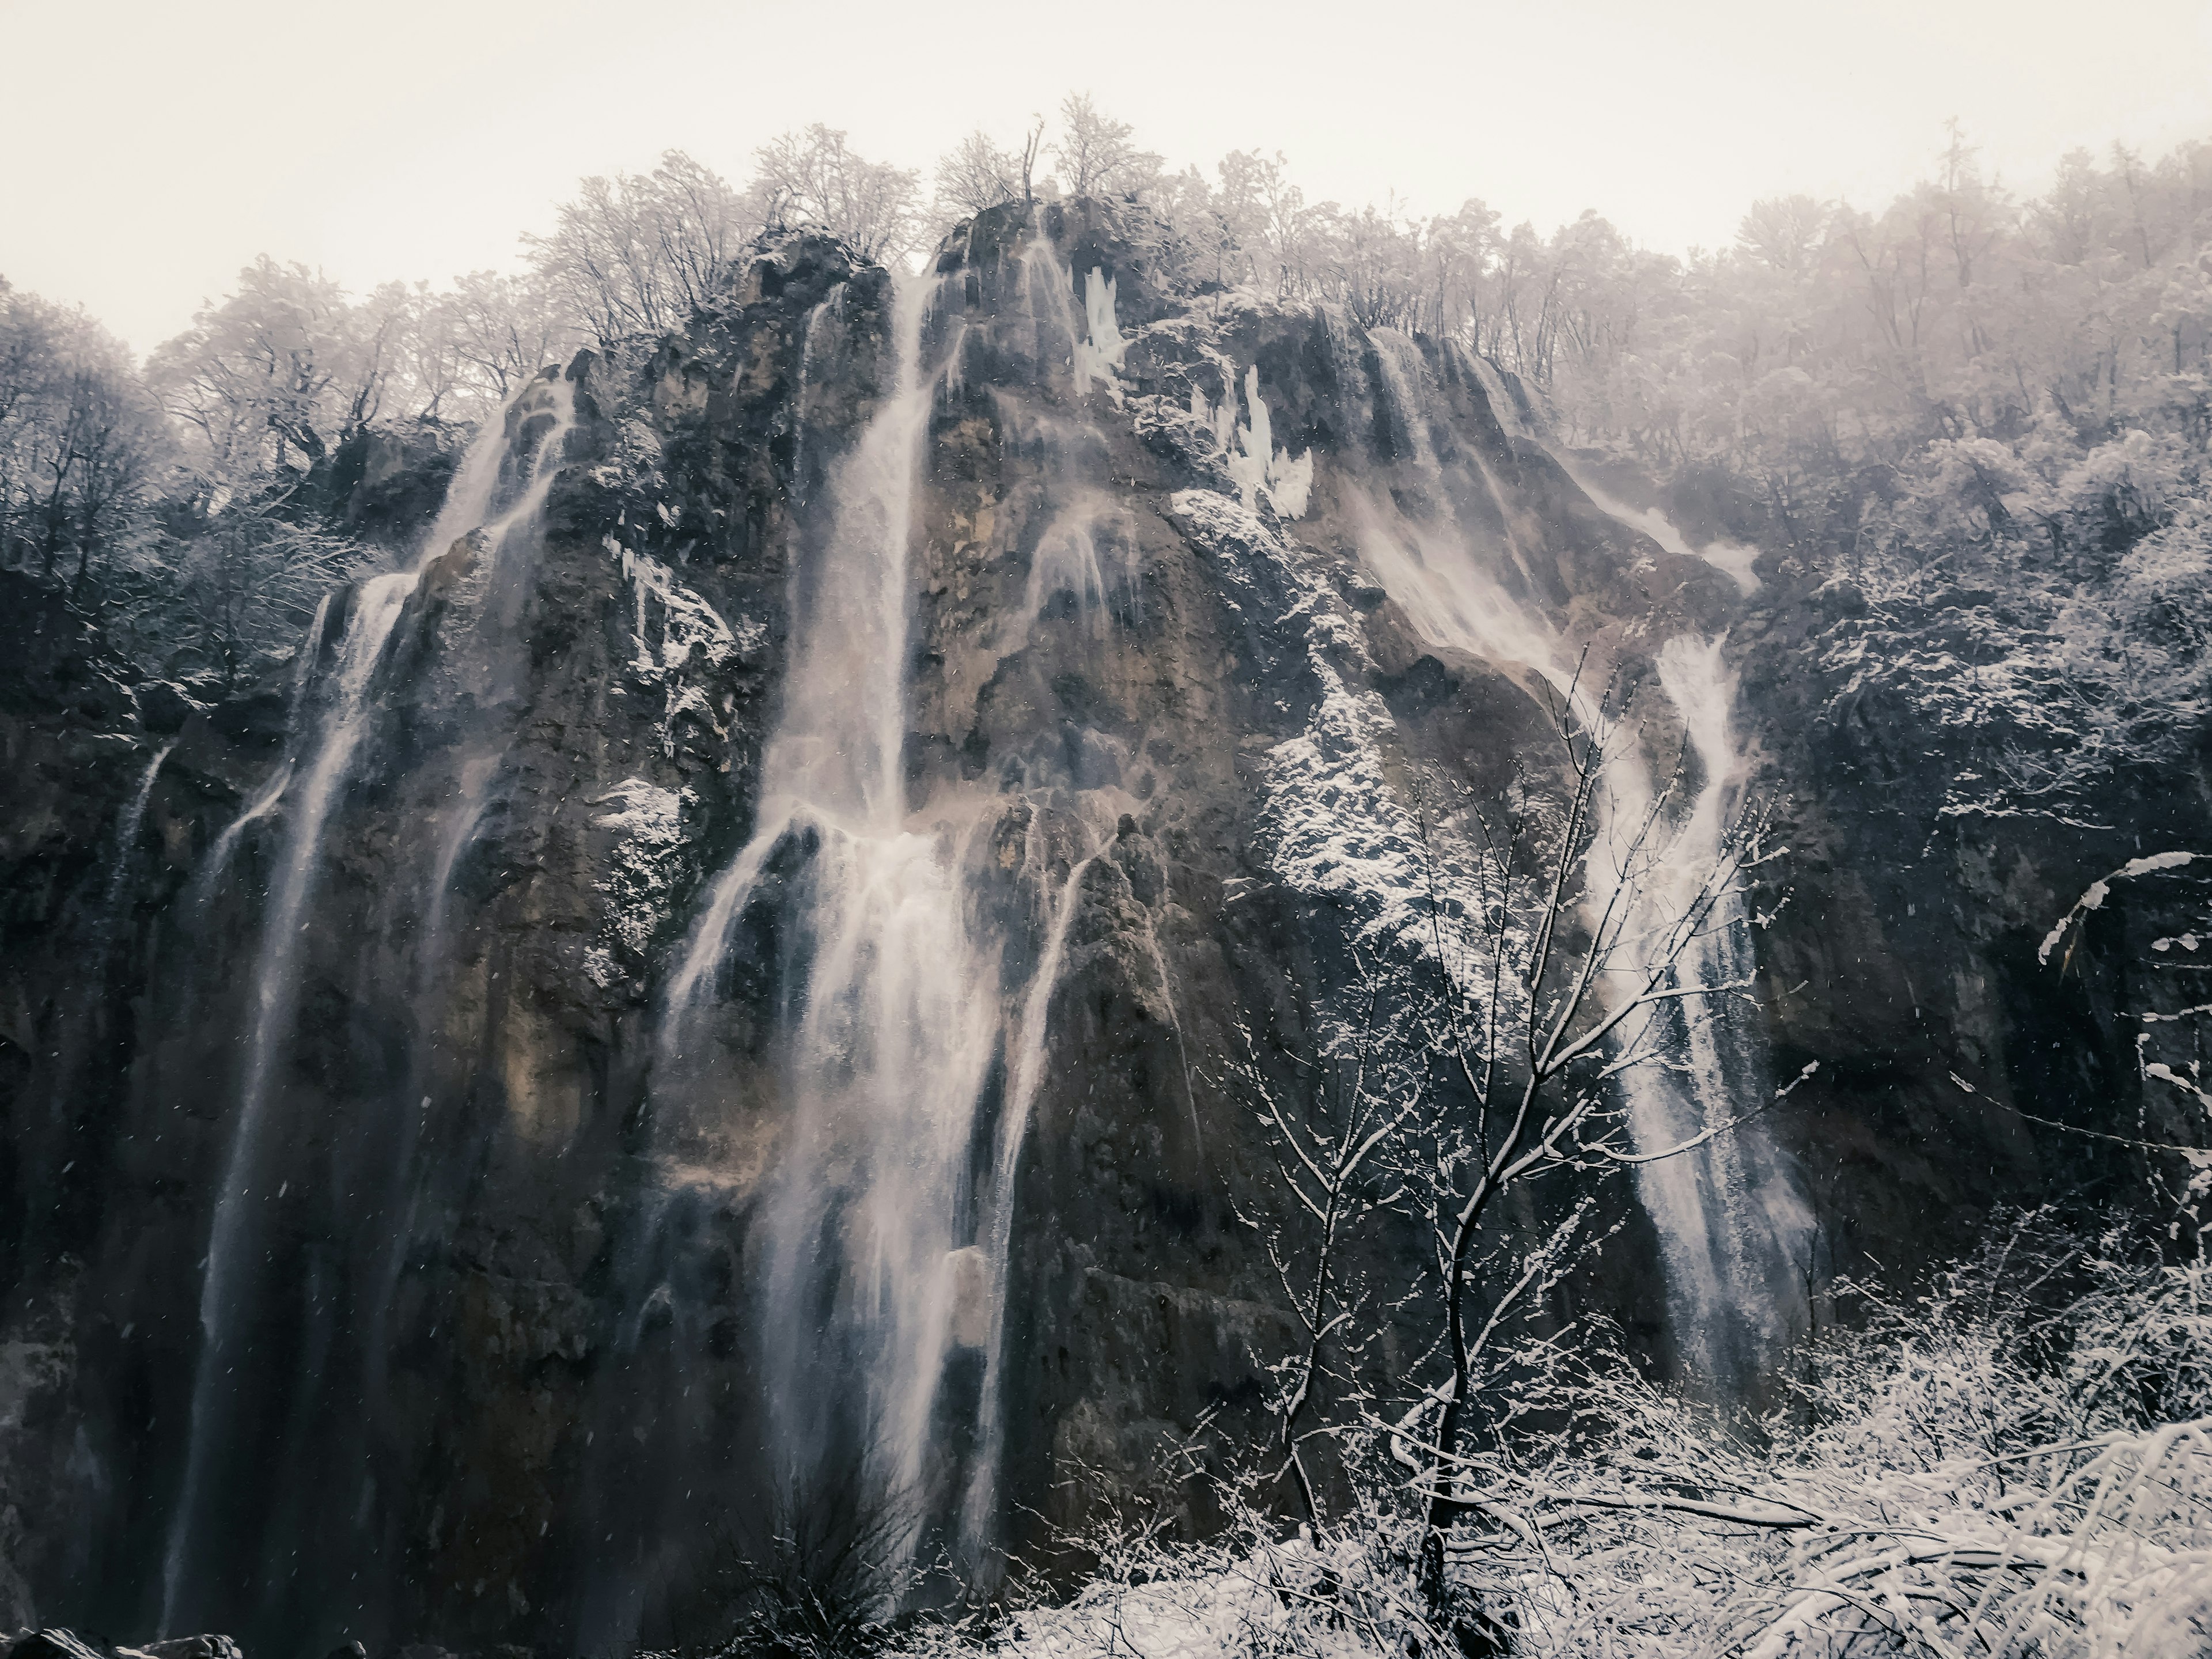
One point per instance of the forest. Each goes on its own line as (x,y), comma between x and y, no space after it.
(1960,392)
(1969,434)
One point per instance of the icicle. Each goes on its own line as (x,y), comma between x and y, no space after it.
(1252,459)
(1100,356)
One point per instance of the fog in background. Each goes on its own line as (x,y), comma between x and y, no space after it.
(153,149)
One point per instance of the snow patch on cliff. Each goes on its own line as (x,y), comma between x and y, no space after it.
(677,639)
(1331,824)
(646,865)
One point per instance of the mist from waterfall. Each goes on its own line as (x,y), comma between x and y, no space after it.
(889,1014)
(1730,1222)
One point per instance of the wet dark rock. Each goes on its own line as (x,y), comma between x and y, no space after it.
(164,707)
(386,483)
(57,660)
(197,1647)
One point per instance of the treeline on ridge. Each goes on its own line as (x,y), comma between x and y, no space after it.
(1983,420)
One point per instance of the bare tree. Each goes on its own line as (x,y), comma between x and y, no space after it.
(1547,996)
(249,583)
(1569,926)
(1095,156)
(1032,147)
(975,176)
(82,442)
(816,177)
(1570,931)
(267,382)
(636,254)
(502,330)
(1332,1131)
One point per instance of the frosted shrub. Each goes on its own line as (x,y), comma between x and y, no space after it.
(1254,1588)
(1982,1472)
(2017,1466)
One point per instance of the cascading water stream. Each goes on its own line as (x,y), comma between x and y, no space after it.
(217,863)
(1730,1221)
(799,395)
(891,1037)
(1728,1215)
(978,1507)
(376,608)
(126,834)
(887,1220)
(313,780)
(1734,560)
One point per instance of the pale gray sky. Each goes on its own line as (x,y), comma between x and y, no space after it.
(151,148)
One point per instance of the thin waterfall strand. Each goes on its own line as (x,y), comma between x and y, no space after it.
(376,608)
(979,1508)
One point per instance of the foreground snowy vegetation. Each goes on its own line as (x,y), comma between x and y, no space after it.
(2018,1463)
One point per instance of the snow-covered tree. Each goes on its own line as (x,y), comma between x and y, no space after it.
(83,446)
(976,175)
(816,177)
(1094,152)
(635,254)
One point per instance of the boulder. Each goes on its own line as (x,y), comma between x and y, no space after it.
(163,707)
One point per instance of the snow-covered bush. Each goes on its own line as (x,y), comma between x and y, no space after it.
(2017,1463)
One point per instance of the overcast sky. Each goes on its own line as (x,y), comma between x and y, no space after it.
(152,148)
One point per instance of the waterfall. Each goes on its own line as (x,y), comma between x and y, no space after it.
(1728,1215)
(978,1511)
(834,758)
(376,608)
(799,491)
(1730,1220)
(126,834)
(1731,558)
(217,863)
(891,1033)
(323,753)
(911,1041)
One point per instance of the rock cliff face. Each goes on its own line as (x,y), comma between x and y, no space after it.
(476,1105)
